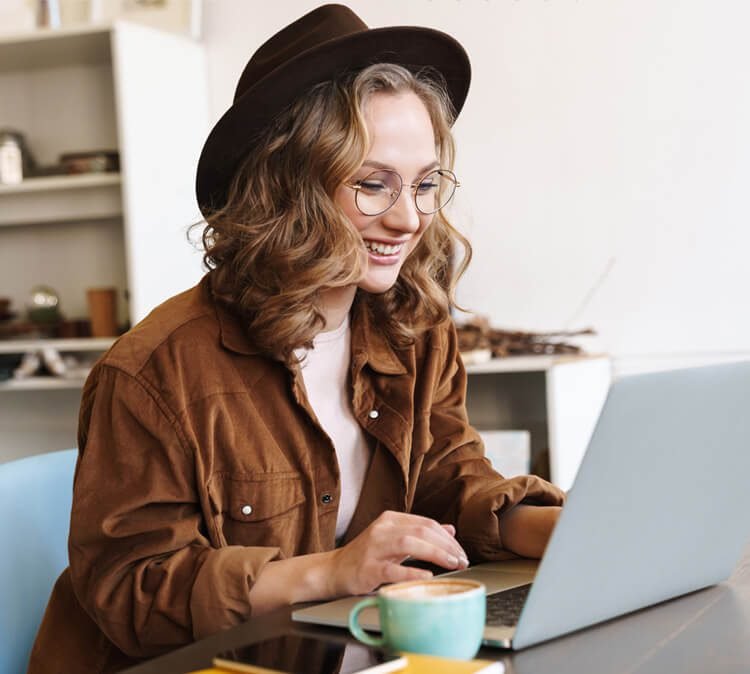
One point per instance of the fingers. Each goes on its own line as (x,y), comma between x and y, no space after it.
(375,556)
(406,545)
(440,536)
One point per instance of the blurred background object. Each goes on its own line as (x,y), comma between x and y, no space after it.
(48,14)
(43,305)
(479,341)
(102,304)
(11,162)
(97,161)
(5,312)
(16,160)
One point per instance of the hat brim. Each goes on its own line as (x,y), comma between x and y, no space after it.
(235,133)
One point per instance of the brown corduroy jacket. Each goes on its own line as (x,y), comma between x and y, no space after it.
(201,461)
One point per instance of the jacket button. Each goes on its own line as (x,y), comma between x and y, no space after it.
(373,414)
(247,509)
(326,498)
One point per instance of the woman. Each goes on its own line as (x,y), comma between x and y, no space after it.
(294,427)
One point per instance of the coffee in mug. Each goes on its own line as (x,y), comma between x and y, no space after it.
(442,616)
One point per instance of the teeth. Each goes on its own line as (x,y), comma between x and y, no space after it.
(383,248)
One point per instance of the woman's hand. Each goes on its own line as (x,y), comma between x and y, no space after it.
(525,529)
(375,556)
(371,559)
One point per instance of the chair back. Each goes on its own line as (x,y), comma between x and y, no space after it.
(35,500)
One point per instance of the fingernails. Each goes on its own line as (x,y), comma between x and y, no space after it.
(457,562)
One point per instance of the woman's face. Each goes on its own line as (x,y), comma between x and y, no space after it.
(402,140)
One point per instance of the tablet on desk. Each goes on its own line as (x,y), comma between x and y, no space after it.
(294,654)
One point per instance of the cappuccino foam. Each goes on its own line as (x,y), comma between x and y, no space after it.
(427,589)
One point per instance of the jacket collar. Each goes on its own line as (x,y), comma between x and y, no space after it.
(233,335)
(369,344)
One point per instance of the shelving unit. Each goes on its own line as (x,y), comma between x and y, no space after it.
(126,87)
(556,398)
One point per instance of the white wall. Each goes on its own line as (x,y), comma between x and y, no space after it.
(600,139)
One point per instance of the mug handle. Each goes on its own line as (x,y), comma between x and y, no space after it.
(354,627)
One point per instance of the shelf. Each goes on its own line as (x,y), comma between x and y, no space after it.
(61,198)
(54,48)
(62,182)
(63,345)
(524,363)
(41,384)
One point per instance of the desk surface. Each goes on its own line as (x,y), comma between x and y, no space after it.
(706,631)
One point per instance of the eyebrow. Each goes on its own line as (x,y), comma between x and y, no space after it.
(386,167)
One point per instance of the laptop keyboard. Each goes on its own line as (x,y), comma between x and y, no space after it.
(504,608)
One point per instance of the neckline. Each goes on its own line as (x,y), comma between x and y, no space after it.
(332,335)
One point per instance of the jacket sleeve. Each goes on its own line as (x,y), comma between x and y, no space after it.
(457,484)
(141,559)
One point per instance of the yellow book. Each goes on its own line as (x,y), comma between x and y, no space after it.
(427,664)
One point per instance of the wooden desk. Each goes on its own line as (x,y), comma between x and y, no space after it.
(707,631)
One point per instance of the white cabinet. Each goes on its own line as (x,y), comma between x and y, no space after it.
(556,398)
(131,88)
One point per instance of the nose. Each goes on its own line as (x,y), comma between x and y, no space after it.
(403,215)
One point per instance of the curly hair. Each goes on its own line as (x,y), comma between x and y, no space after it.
(280,239)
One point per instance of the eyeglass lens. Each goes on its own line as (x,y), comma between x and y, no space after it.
(380,189)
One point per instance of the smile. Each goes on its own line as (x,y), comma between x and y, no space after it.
(383,248)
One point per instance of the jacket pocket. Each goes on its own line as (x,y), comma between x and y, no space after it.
(258,510)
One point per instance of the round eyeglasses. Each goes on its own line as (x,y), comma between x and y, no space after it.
(379,190)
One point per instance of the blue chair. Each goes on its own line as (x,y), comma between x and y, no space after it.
(35,500)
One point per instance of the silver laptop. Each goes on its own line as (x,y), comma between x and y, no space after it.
(657,510)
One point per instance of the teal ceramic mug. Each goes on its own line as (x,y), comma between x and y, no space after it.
(442,617)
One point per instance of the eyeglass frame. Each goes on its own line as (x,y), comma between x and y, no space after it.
(356,186)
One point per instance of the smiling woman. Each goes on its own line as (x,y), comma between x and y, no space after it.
(375,124)
(294,427)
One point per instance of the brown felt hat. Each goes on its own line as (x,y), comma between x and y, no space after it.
(325,43)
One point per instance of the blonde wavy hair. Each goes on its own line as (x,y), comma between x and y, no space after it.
(280,240)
